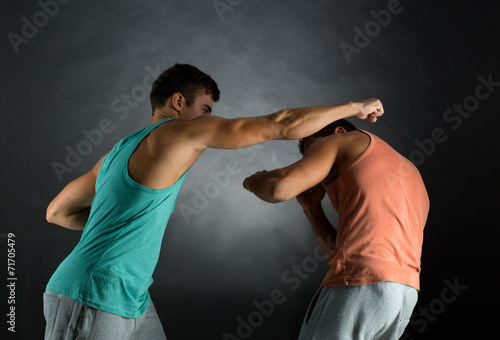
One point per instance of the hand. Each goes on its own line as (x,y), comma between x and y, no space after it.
(311,197)
(369,109)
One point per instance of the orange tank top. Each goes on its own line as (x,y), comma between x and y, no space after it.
(382,205)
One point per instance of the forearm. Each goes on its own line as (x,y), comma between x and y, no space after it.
(325,233)
(74,221)
(303,122)
(71,207)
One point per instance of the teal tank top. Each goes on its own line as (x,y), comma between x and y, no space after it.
(111,267)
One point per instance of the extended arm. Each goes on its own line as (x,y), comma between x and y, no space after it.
(220,133)
(71,207)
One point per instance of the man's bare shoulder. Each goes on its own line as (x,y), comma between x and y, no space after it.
(348,139)
(182,136)
(183,126)
(327,144)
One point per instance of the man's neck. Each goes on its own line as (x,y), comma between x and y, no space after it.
(161,115)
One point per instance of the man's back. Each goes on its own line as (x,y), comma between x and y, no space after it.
(162,157)
(111,267)
(382,205)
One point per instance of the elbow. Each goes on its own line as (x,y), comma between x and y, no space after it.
(51,214)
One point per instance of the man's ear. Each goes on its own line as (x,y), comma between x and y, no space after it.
(340,129)
(177,101)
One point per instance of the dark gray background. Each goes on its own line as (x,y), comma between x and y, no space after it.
(265,56)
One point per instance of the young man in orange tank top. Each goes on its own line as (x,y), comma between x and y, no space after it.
(374,254)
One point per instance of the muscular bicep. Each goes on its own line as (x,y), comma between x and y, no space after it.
(220,133)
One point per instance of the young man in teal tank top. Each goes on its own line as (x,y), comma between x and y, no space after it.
(100,291)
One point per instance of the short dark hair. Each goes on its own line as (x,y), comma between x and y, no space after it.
(327,131)
(183,78)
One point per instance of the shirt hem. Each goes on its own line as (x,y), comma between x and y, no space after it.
(342,281)
(101,307)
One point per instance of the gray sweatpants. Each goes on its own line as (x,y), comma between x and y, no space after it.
(70,319)
(378,311)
